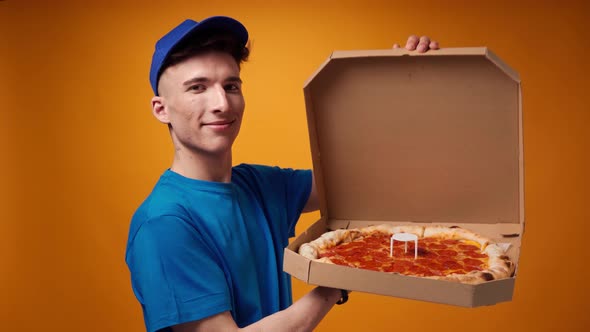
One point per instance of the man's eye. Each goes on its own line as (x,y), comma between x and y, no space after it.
(196,87)
(232,87)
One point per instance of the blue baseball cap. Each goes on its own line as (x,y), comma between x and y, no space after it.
(166,44)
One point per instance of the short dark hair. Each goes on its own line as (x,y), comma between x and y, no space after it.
(205,42)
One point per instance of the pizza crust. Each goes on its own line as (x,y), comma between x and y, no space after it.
(472,278)
(499,264)
(456,233)
(391,229)
(312,249)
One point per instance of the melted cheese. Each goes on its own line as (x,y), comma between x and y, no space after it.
(473,243)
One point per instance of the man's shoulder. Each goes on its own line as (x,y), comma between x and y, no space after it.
(255,175)
(173,194)
(245,168)
(271,184)
(164,196)
(260,172)
(179,197)
(163,200)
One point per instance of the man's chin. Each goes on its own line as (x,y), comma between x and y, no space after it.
(221,146)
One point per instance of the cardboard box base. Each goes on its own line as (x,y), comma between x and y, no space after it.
(392,284)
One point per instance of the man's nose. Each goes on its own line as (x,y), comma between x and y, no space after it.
(219,100)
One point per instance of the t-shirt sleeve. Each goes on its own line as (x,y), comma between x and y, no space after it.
(175,276)
(298,188)
(285,188)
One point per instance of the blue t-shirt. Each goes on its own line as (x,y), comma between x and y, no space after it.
(199,248)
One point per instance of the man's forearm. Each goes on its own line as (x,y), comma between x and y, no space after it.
(303,315)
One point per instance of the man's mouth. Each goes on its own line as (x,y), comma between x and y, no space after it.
(221,124)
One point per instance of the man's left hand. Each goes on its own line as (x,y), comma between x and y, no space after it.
(420,44)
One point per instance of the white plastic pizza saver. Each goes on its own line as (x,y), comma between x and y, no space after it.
(405,237)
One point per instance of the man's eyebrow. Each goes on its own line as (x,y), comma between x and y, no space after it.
(195,80)
(200,79)
(233,79)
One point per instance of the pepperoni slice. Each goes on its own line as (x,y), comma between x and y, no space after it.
(395,268)
(427,240)
(401,253)
(451,265)
(385,261)
(450,241)
(380,254)
(418,270)
(447,252)
(467,247)
(429,256)
(435,266)
(471,261)
(370,265)
(423,261)
(436,246)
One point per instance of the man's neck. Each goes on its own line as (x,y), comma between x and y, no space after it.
(216,168)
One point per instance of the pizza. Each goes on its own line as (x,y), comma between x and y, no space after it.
(443,253)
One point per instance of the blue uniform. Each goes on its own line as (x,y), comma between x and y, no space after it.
(199,248)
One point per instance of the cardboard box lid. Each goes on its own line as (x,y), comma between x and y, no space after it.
(403,136)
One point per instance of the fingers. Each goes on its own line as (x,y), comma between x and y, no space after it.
(421,44)
(434,45)
(412,42)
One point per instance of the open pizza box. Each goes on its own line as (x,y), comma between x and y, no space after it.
(406,138)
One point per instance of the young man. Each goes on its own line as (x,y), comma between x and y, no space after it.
(205,249)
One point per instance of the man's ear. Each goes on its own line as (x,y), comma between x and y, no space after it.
(159,110)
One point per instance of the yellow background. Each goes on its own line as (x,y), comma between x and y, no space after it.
(80,150)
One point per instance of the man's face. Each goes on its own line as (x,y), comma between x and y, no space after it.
(201,99)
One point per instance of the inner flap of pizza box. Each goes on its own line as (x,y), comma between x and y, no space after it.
(431,139)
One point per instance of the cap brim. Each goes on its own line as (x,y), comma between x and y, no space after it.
(222,23)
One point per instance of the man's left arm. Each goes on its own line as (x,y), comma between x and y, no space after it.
(313,202)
